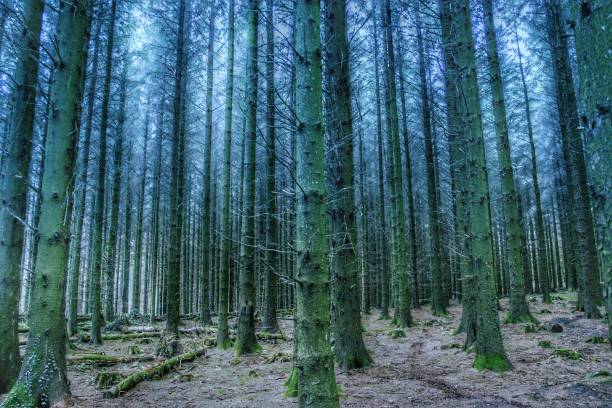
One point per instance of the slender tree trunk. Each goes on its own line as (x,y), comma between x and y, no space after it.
(349,348)
(490,352)
(270,322)
(173,294)
(400,244)
(98,254)
(576,177)
(246,341)
(438,295)
(223,340)
(14,186)
(204,285)
(593,42)
(513,233)
(383,245)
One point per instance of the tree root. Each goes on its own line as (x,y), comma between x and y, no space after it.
(154,372)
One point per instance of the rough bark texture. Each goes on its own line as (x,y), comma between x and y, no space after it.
(14,186)
(204,284)
(42,380)
(349,349)
(314,360)
(223,340)
(573,152)
(177,182)
(519,311)
(246,341)
(270,322)
(490,352)
(399,249)
(438,300)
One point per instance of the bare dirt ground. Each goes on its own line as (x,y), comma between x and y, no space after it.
(427,368)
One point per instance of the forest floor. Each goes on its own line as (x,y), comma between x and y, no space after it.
(427,368)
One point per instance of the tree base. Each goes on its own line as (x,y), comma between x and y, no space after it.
(496,362)
(291,385)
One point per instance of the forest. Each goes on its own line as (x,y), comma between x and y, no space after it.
(313,203)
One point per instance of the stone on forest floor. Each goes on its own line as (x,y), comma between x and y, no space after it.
(556,328)
(278,357)
(531,328)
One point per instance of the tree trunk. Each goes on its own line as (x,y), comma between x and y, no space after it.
(490,352)
(223,340)
(314,364)
(349,349)
(513,235)
(42,379)
(14,186)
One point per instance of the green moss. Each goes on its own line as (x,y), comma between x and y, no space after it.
(291,385)
(19,397)
(396,333)
(531,328)
(601,373)
(544,344)
(574,355)
(495,362)
(520,319)
(597,340)
(239,352)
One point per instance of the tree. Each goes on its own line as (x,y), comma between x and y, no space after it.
(349,349)
(246,342)
(204,284)
(96,305)
(223,340)
(177,181)
(270,322)
(490,353)
(314,361)
(14,186)
(592,41)
(42,378)
(514,234)
(590,291)
(399,247)
(383,244)
(438,301)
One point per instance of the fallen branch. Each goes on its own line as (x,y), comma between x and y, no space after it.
(128,336)
(154,372)
(104,360)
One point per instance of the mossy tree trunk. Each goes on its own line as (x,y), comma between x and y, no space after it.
(223,340)
(512,233)
(438,296)
(383,244)
(399,247)
(173,294)
(42,380)
(14,185)
(270,322)
(206,247)
(99,221)
(590,295)
(490,353)
(314,362)
(593,44)
(246,342)
(349,348)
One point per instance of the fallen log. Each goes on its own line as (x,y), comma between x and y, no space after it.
(154,372)
(104,360)
(84,338)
